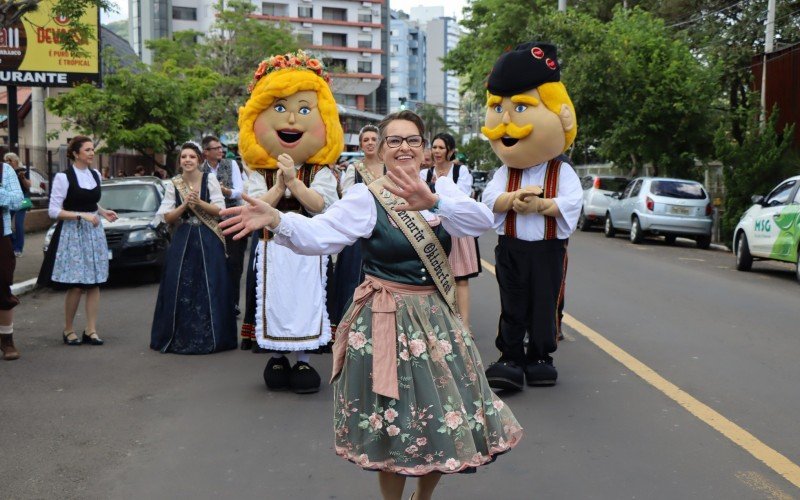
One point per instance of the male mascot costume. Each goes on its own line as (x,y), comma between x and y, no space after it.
(289,132)
(536,198)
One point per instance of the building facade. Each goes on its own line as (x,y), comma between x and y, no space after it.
(408,68)
(442,86)
(350,36)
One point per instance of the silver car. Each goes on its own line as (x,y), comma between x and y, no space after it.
(597,191)
(661,206)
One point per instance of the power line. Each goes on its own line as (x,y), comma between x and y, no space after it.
(689,21)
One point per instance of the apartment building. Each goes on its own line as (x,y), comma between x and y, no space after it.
(350,36)
(441,87)
(408,62)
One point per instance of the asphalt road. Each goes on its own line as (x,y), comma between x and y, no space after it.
(121,421)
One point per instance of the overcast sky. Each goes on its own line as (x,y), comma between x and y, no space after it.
(453,8)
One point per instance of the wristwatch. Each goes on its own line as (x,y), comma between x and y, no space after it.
(435,208)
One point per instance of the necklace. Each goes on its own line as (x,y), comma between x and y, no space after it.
(439,173)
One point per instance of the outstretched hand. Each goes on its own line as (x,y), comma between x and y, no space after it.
(412,189)
(253,216)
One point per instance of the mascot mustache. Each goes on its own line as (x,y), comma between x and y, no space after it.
(511,130)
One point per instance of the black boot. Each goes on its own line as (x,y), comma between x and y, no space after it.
(304,379)
(276,373)
(506,375)
(541,372)
(247,344)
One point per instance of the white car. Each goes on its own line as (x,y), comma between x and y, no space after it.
(770,229)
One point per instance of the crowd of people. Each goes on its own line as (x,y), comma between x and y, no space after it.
(370,261)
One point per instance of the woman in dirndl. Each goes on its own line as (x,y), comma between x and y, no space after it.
(77,256)
(464,257)
(194,312)
(410,395)
(348,273)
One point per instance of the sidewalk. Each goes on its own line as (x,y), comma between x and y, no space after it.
(28,265)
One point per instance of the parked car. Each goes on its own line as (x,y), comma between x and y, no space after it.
(661,206)
(597,191)
(770,229)
(133,240)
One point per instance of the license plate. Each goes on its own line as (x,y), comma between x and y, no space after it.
(110,255)
(680,210)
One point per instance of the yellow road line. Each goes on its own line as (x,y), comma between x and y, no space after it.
(770,457)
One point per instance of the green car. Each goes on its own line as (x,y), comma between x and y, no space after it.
(770,229)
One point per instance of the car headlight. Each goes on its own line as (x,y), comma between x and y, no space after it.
(142,235)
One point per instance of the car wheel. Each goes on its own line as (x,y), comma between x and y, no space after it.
(744,261)
(669,239)
(637,235)
(703,242)
(583,222)
(609,229)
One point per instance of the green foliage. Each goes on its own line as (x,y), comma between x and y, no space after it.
(119,28)
(753,166)
(149,110)
(479,154)
(232,49)
(434,123)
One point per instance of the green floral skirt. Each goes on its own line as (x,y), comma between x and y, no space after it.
(446,419)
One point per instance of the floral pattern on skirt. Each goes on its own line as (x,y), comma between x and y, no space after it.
(447,419)
(82,254)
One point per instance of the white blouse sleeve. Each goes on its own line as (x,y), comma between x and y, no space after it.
(349,178)
(57,194)
(167,205)
(347,220)
(464,180)
(256,185)
(461,215)
(325,185)
(215,192)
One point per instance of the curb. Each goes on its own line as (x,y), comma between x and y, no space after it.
(24,287)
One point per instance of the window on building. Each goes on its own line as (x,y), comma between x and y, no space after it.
(365,43)
(334,39)
(365,66)
(273,9)
(305,11)
(184,13)
(305,38)
(365,17)
(334,14)
(335,65)
(346,100)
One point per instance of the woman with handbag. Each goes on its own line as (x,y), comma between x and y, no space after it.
(77,258)
(18,216)
(194,311)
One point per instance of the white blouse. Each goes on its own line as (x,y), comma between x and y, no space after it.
(61,185)
(355,216)
(168,204)
(464,177)
(324,184)
(530,227)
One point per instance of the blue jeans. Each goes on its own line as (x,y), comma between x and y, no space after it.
(18,228)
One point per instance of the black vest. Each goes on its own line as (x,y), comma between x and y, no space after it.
(79,199)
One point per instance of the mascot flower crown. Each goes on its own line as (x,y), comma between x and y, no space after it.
(280,77)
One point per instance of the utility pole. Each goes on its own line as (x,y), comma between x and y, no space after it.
(562,5)
(768,47)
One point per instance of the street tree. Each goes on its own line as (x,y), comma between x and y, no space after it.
(232,49)
(433,120)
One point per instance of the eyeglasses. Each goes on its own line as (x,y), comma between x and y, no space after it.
(217,148)
(394,141)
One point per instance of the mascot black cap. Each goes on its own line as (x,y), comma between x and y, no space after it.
(526,67)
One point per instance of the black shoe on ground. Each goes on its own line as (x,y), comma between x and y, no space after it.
(304,379)
(257,349)
(541,373)
(276,374)
(247,344)
(505,375)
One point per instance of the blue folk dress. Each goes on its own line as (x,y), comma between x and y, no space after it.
(77,256)
(194,311)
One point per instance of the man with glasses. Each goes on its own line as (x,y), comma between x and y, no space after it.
(230,180)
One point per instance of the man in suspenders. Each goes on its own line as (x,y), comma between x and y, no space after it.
(536,198)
